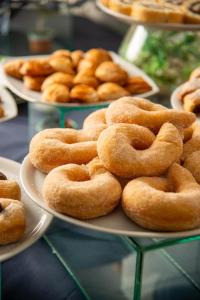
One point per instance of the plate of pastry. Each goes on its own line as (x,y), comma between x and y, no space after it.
(22,222)
(119,173)
(8,107)
(171,14)
(187,96)
(93,78)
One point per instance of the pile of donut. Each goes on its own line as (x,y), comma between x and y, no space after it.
(12,211)
(136,153)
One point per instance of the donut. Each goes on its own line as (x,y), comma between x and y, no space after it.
(193,144)
(192,163)
(191,102)
(51,148)
(164,204)
(95,123)
(131,150)
(12,212)
(188,88)
(143,112)
(79,191)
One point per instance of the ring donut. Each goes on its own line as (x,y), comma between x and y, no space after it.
(79,191)
(95,123)
(192,163)
(131,150)
(164,204)
(12,213)
(145,113)
(193,144)
(51,148)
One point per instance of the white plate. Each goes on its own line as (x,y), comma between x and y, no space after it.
(114,223)
(37,219)
(9,105)
(129,20)
(18,88)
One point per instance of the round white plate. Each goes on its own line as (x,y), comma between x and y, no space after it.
(129,20)
(37,219)
(9,105)
(114,223)
(18,88)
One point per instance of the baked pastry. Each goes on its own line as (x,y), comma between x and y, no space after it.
(191,102)
(192,12)
(62,64)
(164,204)
(121,6)
(131,151)
(86,76)
(13,67)
(33,83)
(192,163)
(2,113)
(143,112)
(188,88)
(111,72)
(98,56)
(76,57)
(153,12)
(58,77)
(56,93)
(195,74)
(36,68)
(137,85)
(95,123)
(83,93)
(62,53)
(85,64)
(111,91)
(51,148)
(79,191)
(193,144)
(12,212)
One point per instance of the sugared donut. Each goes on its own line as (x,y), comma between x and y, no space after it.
(51,148)
(193,144)
(192,163)
(164,204)
(84,192)
(12,213)
(95,123)
(131,150)
(145,113)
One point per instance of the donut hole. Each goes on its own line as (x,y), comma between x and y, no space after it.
(78,174)
(139,144)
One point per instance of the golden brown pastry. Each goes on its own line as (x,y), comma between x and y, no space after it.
(36,68)
(54,147)
(79,191)
(153,12)
(121,6)
(86,64)
(137,85)
(164,204)
(111,91)
(188,88)
(33,83)
(56,93)
(111,72)
(192,12)
(83,93)
(97,56)
(76,57)
(12,212)
(58,77)
(191,102)
(13,67)
(86,76)
(95,123)
(62,64)
(62,53)
(192,163)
